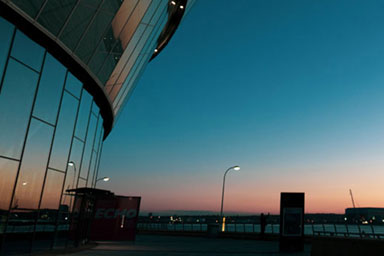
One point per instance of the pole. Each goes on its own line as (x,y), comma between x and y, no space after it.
(222,195)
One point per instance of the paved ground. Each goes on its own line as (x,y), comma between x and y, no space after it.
(151,245)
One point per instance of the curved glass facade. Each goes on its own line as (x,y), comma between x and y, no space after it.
(66,69)
(113,39)
(47,120)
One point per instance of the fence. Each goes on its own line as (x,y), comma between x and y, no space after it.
(330,230)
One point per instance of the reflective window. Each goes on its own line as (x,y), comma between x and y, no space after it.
(33,166)
(27,51)
(94,34)
(82,183)
(73,85)
(8,171)
(50,90)
(92,169)
(6,30)
(52,190)
(16,100)
(98,133)
(76,155)
(55,13)
(64,132)
(78,23)
(31,7)
(88,148)
(95,109)
(84,112)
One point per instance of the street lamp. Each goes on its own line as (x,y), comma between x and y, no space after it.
(71,163)
(236,168)
(104,179)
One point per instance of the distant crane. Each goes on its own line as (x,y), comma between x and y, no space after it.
(353,201)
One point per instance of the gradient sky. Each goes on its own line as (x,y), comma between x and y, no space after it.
(292,91)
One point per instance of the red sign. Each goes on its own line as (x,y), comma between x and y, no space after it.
(115,218)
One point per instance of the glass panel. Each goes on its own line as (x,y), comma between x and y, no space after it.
(92,169)
(76,154)
(94,34)
(52,190)
(130,62)
(73,85)
(156,6)
(27,51)
(31,7)
(6,30)
(98,159)
(112,5)
(84,112)
(95,109)
(46,222)
(50,90)
(125,57)
(98,133)
(88,148)
(82,183)
(8,171)
(33,166)
(78,23)
(64,132)
(55,14)
(16,100)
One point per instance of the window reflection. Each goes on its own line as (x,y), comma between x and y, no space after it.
(27,51)
(73,171)
(84,112)
(55,14)
(88,147)
(6,30)
(50,90)
(16,100)
(73,85)
(33,166)
(64,132)
(78,23)
(52,190)
(8,171)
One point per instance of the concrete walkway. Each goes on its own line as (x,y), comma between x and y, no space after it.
(151,245)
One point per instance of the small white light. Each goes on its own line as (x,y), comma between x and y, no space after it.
(70,163)
(106,179)
(173,2)
(156,50)
(236,168)
(24,183)
(181,6)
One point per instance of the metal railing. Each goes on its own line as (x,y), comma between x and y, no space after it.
(324,230)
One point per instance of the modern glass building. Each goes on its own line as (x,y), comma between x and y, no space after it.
(66,69)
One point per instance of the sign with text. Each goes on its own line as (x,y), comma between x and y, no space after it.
(115,218)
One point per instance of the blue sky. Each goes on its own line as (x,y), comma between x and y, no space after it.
(290,90)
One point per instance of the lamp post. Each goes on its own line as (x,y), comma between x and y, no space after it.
(236,168)
(71,163)
(104,179)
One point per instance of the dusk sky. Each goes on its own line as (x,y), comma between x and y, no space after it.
(292,91)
